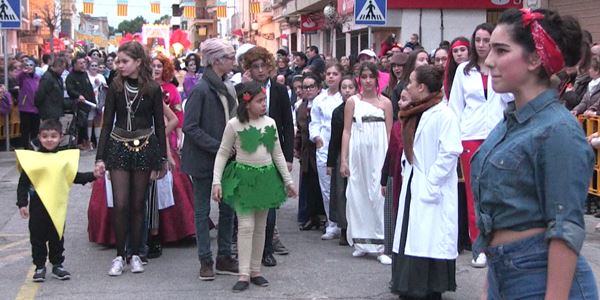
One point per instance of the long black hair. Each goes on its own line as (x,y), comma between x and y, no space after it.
(473,56)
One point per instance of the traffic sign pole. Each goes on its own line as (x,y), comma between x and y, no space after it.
(5,51)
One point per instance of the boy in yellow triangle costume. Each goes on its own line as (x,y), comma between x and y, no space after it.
(46,178)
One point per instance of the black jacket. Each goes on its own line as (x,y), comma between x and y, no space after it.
(280,110)
(49,98)
(203,125)
(78,83)
(317,64)
(337,129)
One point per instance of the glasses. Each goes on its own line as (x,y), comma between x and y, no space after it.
(259,66)
(309,87)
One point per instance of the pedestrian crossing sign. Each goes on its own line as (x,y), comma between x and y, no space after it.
(370,12)
(10,14)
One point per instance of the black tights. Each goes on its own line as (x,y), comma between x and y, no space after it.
(129,190)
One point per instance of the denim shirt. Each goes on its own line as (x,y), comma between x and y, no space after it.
(533,170)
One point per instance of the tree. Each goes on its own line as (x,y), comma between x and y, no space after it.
(50,15)
(111,31)
(163,20)
(132,26)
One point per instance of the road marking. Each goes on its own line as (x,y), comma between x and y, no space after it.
(13,234)
(9,245)
(29,288)
(14,257)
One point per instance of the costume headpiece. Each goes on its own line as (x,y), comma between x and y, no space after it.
(545,47)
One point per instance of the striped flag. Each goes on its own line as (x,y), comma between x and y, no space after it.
(255,7)
(88,7)
(155,7)
(122,8)
(222,11)
(189,11)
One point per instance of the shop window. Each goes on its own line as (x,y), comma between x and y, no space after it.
(493,15)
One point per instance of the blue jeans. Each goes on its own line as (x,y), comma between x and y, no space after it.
(202,198)
(520,269)
(302,206)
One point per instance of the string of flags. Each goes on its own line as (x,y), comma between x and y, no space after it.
(188,7)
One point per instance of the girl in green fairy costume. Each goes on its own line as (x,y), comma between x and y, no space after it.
(255,179)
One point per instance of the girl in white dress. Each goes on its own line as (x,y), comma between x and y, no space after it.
(367,126)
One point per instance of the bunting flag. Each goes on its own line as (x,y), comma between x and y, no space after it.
(88,7)
(189,11)
(222,11)
(155,7)
(255,7)
(122,8)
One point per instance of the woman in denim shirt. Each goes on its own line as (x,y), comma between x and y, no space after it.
(531,175)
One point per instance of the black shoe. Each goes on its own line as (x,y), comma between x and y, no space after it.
(310,224)
(269,261)
(60,273)
(154,248)
(260,281)
(240,286)
(39,275)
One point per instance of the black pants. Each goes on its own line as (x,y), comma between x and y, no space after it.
(42,231)
(30,125)
(312,189)
(271,220)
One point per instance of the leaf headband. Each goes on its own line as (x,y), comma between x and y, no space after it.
(247,97)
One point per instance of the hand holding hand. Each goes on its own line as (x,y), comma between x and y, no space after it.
(24,212)
(329,171)
(383,190)
(290,166)
(99,169)
(81,98)
(217,192)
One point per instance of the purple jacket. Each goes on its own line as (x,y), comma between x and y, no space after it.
(189,82)
(28,85)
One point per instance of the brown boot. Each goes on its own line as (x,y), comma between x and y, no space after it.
(206,270)
(227,265)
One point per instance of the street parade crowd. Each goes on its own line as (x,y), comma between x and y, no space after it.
(409,155)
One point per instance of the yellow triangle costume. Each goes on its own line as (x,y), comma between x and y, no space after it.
(52,176)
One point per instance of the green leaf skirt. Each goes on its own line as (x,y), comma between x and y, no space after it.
(248,188)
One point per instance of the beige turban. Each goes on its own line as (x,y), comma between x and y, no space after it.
(215,48)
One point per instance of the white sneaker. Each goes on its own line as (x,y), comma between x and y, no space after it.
(117,267)
(136,264)
(329,235)
(384,259)
(480,261)
(358,253)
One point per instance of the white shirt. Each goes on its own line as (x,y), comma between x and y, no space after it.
(320,120)
(101,82)
(476,115)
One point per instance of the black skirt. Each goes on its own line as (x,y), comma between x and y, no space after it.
(419,277)
(119,157)
(337,203)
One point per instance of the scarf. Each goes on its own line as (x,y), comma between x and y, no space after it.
(409,117)
(218,84)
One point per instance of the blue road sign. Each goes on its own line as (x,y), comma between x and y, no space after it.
(370,12)
(10,14)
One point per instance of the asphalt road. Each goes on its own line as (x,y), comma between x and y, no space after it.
(314,269)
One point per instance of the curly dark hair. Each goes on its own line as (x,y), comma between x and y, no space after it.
(168,67)
(255,54)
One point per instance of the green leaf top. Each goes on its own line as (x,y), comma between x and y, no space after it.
(252,137)
(269,137)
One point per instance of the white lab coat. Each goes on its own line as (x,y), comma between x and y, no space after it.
(476,115)
(433,221)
